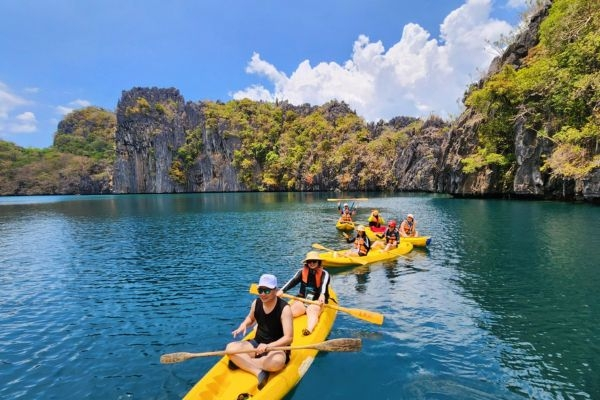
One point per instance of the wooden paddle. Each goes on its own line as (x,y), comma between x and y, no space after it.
(356,259)
(342,344)
(365,315)
(353,199)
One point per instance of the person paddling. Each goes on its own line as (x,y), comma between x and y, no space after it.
(391,235)
(274,320)
(314,285)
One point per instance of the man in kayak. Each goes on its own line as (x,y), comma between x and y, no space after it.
(314,285)
(346,209)
(408,227)
(361,241)
(346,215)
(274,320)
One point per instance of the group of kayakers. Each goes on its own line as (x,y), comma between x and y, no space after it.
(389,236)
(274,316)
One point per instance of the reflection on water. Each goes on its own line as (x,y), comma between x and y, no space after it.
(502,304)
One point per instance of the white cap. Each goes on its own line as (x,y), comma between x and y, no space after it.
(268,281)
(345,204)
(410,216)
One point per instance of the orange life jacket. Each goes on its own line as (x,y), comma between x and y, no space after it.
(361,245)
(391,236)
(346,217)
(409,228)
(318,275)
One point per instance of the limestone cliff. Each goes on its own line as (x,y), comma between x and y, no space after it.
(165,145)
(152,125)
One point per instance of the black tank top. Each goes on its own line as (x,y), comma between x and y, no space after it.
(269,325)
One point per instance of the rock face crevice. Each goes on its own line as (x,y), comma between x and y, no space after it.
(153,124)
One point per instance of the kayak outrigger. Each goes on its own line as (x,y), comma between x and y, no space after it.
(375,234)
(338,258)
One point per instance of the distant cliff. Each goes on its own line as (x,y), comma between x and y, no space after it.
(165,145)
(530,129)
(153,126)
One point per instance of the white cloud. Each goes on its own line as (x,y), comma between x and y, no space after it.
(73,105)
(417,76)
(519,4)
(24,123)
(9,101)
(21,123)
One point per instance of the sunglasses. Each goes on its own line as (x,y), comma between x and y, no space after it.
(262,290)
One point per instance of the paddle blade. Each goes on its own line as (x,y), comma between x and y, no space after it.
(320,247)
(342,344)
(366,315)
(175,357)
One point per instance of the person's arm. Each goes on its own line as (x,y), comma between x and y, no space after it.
(247,322)
(401,230)
(324,286)
(287,322)
(295,280)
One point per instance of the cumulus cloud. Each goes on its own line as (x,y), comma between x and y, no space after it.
(9,124)
(24,123)
(417,76)
(73,105)
(519,4)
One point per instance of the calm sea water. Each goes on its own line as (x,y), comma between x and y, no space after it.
(504,303)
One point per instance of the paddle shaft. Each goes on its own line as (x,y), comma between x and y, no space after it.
(353,199)
(341,344)
(365,315)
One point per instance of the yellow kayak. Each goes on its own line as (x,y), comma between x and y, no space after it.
(344,226)
(417,241)
(338,259)
(222,383)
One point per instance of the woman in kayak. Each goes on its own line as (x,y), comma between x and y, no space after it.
(361,241)
(314,285)
(408,227)
(375,220)
(274,320)
(392,236)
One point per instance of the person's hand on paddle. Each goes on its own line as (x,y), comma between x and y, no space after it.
(321,300)
(261,348)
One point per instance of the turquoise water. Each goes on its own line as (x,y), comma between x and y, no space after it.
(503,304)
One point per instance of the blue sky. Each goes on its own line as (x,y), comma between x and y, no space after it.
(385,58)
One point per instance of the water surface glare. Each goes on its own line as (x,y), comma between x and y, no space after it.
(93,289)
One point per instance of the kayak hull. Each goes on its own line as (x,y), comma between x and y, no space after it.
(338,259)
(417,241)
(222,383)
(344,226)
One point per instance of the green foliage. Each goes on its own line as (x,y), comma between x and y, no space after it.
(27,171)
(88,132)
(557,92)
